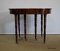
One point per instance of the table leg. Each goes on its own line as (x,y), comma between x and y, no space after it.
(44,27)
(16,29)
(36,26)
(41,24)
(25,26)
(19,24)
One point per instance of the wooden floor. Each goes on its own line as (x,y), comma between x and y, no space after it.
(7,43)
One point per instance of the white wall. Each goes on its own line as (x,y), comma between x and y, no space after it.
(7,20)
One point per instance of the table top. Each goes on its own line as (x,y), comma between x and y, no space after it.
(30,10)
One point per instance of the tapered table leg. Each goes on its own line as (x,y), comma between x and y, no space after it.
(19,24)
(41,24)
(16,28)
(25,26)
(36,26)
(44,27)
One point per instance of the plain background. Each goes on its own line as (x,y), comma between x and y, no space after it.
(7,20)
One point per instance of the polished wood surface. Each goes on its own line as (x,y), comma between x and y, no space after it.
(42,11)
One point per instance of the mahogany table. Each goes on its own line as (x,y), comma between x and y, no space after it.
(35,11)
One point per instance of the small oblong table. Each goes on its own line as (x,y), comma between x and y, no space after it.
(35,11)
